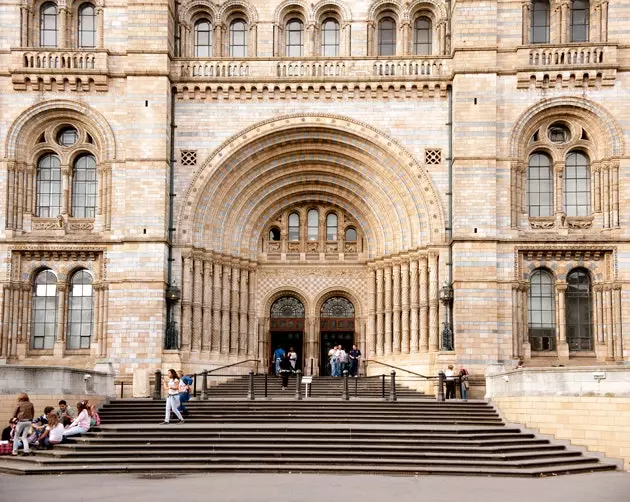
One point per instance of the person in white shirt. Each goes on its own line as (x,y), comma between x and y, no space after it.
(331,353)
(172,400)
(450,382)
(54,432)
(293,358)
(343,360)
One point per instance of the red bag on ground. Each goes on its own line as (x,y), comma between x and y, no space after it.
(6,448)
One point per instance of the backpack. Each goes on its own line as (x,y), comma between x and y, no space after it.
(187,380)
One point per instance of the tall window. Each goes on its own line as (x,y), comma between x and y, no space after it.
(539,186)
(386,37)
(579,20)
(238,39)
(577,185)
(540,22)
(48,25)
(44,311)
(331,227)
(330,38)
(313,225)
(203,39)
(87,26)
(84,187)
(80,311)
(351,235)
(294,227)
(48,187)
(295,39)
(579,311)
(422,37)
(542,317)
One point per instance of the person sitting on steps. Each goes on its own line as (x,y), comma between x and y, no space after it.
(81,424)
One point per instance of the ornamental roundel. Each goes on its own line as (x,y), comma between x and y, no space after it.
(337,307)
(287,306)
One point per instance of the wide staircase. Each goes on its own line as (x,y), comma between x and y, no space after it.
(322,436)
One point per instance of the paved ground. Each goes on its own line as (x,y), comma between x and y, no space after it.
(599,487)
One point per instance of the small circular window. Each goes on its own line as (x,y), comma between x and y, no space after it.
(559,133)
(67,136)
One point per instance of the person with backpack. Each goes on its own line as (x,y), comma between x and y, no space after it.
(464,385)
(184,392)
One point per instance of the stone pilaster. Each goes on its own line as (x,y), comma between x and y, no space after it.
(380,312)
(388,310)
(404,271)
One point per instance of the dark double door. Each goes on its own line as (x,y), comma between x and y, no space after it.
(334,331)
(286,333)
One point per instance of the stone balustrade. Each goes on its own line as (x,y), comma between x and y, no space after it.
(554,56)
(60,59)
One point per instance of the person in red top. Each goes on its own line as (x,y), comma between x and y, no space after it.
(24,414)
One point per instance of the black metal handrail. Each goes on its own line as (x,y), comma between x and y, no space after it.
(369,361)
(224,367)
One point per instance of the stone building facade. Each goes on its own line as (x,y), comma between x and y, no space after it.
(192,183)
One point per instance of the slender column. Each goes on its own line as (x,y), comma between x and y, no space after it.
(196,304)
(24,17)
(100,29)
(371,324)
(596,327)
(310,41)
(405,31)
(215,344)
(397,309)
(526,20)
(610,345)
(524,338)
(564,22)
(65,193)
(10,194)
(252,344)
(206,331)
(225,310)
(187,302)
(424,305)
(606,195)
(515,195)
(371,32)
(27,291)
(617,320)
(15,304)
(104,319)
(515,320)
(4,322)
(415,304)
(388,310)
(234,306)
(599,307)
(614,174)
(597,187)
(558,169)
(242,312)
(107,197)
(252,48)
(562,319)
(20,186)
(604,10)
(97,291)
(404,271)
(433,302)
(380,312)
(63,30)
(61,312)
(347,43)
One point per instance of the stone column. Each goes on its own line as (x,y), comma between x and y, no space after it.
(100,29)
(424,305)
(97,293)
(614,175)
(562,346)
(618,338)
(252,344)
(380,312)
(371,38)
(405,32)
(5,311)
(187,303)
(371,324)
(604,18)
(27,300)
(608,323)
(62,41)
(564,22)
(415,304)
(61,313)
(558,169)
(104,319)
(24,17)
(215,342)
(606,194)
(11,166)
(596,197)
(252,45)
(526,348)
(397,308)
(310,41)
(404,271)
(206,330)
(434,301)
(516,320)
(388,310)
(346,32)
(13,331)
(225,310)
(526,20)
(66,192)
(197,304)
(599,314)
(242,312)
(234,307)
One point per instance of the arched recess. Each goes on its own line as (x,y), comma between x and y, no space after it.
(239,9)
(248,178)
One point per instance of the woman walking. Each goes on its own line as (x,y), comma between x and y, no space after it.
(24,414)
(172,400)
(285,371)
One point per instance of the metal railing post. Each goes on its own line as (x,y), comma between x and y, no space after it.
(204,384)
(250,391)
(266,376)
(383,386)
(194,392)
(440,395)
(157,391)
(392,386)
(344,395)
(298,385)
(356,387)
(122,389)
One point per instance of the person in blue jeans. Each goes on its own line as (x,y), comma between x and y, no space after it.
(278,355)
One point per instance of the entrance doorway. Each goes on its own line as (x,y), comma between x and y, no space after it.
(287,328)
(336,328)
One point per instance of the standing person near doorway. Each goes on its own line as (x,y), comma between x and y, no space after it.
(334,362)
(293,358)
(331,353)
(285,371)
(343,360)
(354,355)
(450,382)
(172,400)
(277,358)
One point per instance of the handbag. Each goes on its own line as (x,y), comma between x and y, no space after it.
(6,448)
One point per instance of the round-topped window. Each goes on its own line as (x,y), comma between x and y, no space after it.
(559,133)
(68,136)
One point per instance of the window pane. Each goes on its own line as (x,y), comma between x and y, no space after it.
(579,20)
(294,36)
(539,186)
(422,34)
(238,39)
(541,311)
(330,38)
(313,225)
(48,187)
(80,313)
(351,235)
(577,185)
(331,227)
(579,311)
(83,181)
(87,26)
(540,22)
(386,37)
(48,25)
(44,311)
(294,227)
(203,39)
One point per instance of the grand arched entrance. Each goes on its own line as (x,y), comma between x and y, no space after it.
(336,327)
(287,327)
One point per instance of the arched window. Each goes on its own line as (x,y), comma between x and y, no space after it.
(422,37)
(542,317)
(87,26)
(313,225)
(579,311)
(294,227)
(48,187)
(330,38)
(67,136)
(44,311)
(331,227)
(351,235)
(294,39)
(539,185)
(274,234)
(80,311)
(238,39)
(84,187)
(540,22)
(577,185)
(386,37)
(203,39)
(48,25)
(579,20)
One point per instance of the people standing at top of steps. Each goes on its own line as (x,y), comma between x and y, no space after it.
(450,382)
(172,399)
(343,361)
(65,413)
(81,424)
(184,392)
(277,358)
(24,413)
(354,355)
(285,371)
(293,358)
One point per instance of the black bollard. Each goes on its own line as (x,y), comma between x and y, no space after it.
(298,385)
(345,396)
(157,391)
(383,386)
(392,386)
(250,392)
(204,384)
(440,395)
